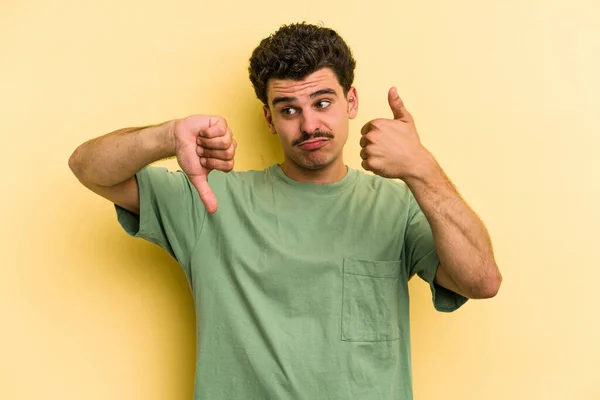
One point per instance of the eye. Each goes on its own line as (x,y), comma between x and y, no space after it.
(323,104)
(288,111)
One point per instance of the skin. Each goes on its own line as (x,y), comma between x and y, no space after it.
(311,118)
(107,164)
(392,148)
(315,109)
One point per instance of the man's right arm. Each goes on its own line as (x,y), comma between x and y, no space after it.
(107,165)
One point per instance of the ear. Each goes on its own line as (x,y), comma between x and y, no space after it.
(269,119)
(352,98)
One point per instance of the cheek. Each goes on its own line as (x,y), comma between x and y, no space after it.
(286,129)
(337,122)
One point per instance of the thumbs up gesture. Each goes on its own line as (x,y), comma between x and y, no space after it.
(391,147)
(204,143)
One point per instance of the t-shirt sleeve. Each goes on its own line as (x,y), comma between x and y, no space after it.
(171,213)
(422,259)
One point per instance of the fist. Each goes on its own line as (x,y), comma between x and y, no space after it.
(204,143)
(391,147)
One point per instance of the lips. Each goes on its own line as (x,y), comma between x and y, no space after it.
(313,144)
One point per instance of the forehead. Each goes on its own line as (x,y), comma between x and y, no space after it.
(321,79)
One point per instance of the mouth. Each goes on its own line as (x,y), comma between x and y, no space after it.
(313,144)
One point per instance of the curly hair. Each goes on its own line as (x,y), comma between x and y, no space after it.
(297,50)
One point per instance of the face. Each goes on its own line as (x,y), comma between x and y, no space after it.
(311,118)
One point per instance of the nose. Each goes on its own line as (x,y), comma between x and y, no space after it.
(310,121)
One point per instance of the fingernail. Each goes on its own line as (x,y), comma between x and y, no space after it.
(200,150)
(202,160)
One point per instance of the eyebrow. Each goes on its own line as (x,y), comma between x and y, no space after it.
(318,93)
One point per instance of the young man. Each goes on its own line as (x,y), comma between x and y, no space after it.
(300,278)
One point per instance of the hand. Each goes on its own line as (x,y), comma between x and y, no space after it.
(204,143)
(391,147)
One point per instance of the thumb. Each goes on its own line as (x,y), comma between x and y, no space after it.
(206,194)
(397,105)
(216,121)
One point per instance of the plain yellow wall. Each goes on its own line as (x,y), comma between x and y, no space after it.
(505,94)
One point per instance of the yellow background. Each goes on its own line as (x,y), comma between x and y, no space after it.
(505,94)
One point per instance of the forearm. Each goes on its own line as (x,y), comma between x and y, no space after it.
(462,241)
(113,158)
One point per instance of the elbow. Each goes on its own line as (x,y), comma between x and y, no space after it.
(75,164)
(488,286)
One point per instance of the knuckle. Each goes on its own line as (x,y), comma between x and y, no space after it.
(206,162)
(211,163)
(379,123)
(224,143)
(228,166)
(209,143)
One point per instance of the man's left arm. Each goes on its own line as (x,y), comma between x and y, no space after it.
(467,264)
(391,148)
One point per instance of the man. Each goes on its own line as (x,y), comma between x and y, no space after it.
(300,279)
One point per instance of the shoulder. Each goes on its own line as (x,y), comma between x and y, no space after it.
(161,177)
(384,189)
(240,178)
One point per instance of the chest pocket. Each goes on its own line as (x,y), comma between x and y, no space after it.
(370,300)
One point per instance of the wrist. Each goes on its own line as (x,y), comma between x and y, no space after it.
(170,138)
(425,171)
(161,140)
(427,174)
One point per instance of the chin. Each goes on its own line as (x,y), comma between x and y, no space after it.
(313,167)
(314,164)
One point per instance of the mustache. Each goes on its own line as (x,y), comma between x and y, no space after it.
(309,136)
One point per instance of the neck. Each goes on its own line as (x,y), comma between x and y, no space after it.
(332,173)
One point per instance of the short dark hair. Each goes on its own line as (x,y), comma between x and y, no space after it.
(297,50)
